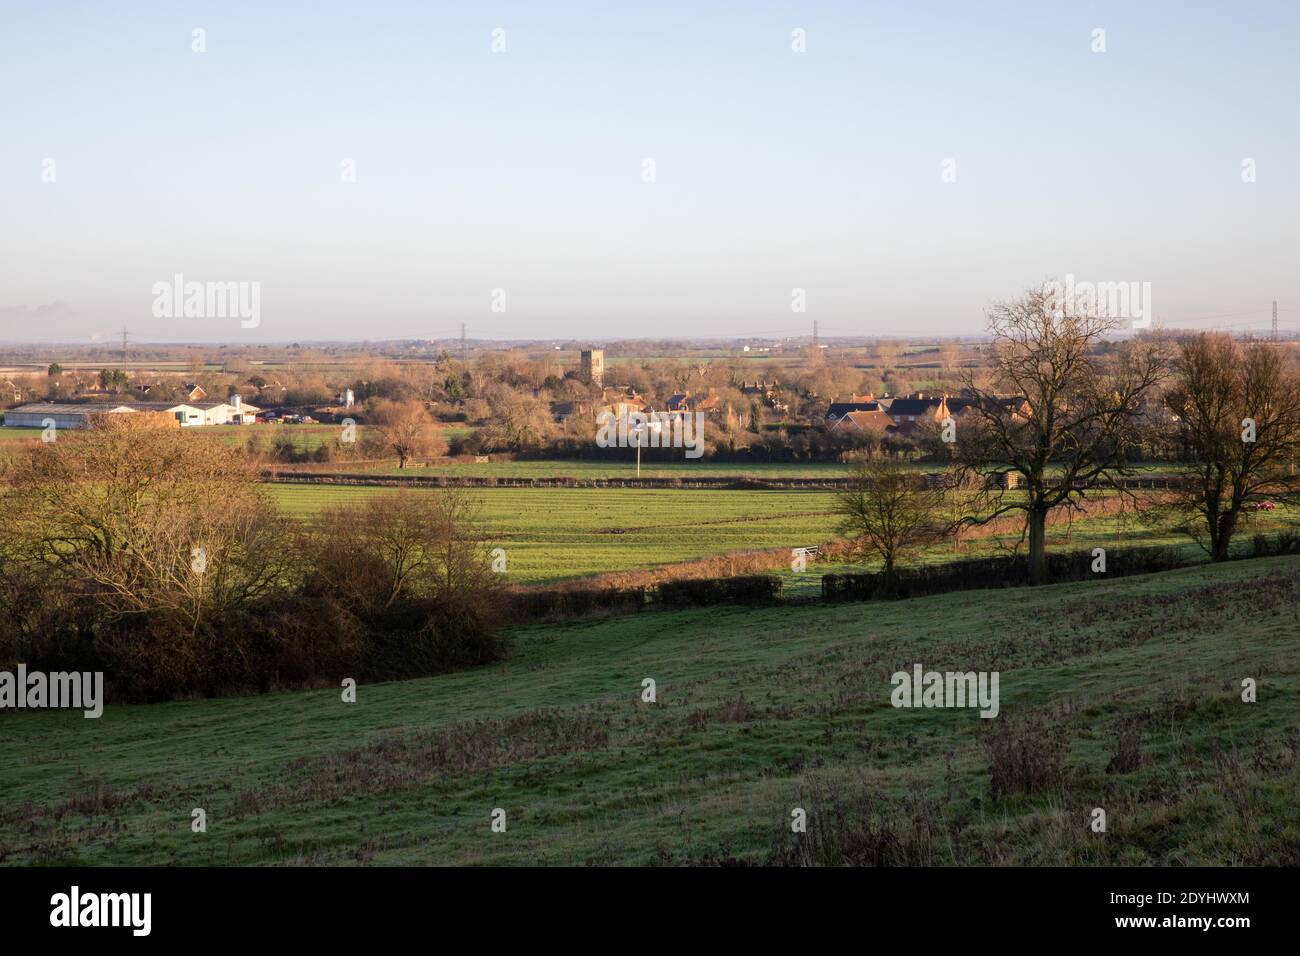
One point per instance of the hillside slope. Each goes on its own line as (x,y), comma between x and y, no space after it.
(759,711)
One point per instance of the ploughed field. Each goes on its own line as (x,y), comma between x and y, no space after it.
(1123,695)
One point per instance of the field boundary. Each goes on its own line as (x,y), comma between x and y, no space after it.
(704,482)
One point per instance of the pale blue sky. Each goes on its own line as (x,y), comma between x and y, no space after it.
(523,170)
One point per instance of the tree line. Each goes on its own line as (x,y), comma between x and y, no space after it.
(1082,405)
(155,555)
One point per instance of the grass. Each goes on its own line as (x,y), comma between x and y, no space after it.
(759,711)
(553,534)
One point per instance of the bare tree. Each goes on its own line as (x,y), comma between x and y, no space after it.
(401,546)
(1053,413)
(405,427)
(1238,415)
(888,511)
(132,518)
(518,421)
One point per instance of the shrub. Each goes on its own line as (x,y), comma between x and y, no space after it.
(1128,754)
(861,829)
(1027,753)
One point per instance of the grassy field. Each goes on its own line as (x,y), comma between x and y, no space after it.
(552,534)
(758,711)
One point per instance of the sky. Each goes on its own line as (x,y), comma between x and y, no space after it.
(638,170)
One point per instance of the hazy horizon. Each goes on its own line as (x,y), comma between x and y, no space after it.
(132,159)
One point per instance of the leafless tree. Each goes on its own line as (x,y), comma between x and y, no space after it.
(404,545)
(1238,414)
(405,428)
(135,518)
(1051,411)
(888,511)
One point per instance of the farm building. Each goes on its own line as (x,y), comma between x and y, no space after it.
(188,414)
(41,414)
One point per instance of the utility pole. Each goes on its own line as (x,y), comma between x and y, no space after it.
(464,348)
(814,336)
(1275,320)
(124,336)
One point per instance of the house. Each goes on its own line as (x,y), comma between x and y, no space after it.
(144,389)
(838,410)
(919,407)
(768,393)
(875,420)
(564,411)
(10,388)
(621,401)
(193,392)
(1018,408)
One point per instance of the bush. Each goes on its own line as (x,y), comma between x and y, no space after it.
(1128,754)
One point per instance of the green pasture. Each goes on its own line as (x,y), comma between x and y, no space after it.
(555,533)
(758,711)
